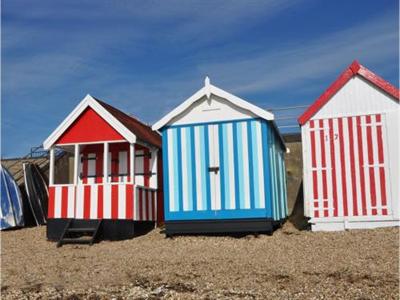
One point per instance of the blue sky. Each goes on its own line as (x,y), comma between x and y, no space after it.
(146,57)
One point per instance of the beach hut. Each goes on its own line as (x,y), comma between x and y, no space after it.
(114,182)
(223,162)
(350,138)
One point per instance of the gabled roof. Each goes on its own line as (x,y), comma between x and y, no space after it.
(130,128)
(207,91)
(354,69)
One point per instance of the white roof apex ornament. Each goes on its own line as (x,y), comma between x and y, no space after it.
(207,87)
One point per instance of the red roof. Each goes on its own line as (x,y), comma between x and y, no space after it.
(354,69)
(142,131)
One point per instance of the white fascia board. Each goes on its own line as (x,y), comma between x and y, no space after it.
(206,92)
(242,103)
(98,108)
(179,109)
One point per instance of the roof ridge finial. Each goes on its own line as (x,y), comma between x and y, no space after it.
(207,81)
(207,87)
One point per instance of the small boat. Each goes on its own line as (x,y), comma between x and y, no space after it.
(11,213)
(37,192)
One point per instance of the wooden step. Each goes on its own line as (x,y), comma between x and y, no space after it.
(82,230)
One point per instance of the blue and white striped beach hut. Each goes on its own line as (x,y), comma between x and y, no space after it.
(223,165)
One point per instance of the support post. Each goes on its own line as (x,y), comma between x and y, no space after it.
(105,163)
(76,164)
(132,162)
(154,157)
(51,167)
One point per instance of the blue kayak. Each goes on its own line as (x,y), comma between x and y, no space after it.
(11,213)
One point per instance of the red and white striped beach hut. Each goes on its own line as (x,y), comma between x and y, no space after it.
(350,138)
(113,172)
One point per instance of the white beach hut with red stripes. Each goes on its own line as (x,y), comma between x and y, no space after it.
(350,138)
(114,183)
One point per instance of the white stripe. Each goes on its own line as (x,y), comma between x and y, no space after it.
(198,168)
(123,165)
(229,131)
(171,177)
(217,177)
(93,201)
(329,168)
(338,168)
(57,201)
(79,202)
(121,201)
(71,202)
(347,159)
(260,176)
(357,166)
(211,155)
(107,201)
(144,204)
(184,170)
(366,171)
(376,170)
(245,162)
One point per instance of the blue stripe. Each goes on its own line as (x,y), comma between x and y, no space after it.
(256,167)
(207,154)
(251,177)
(189,165)
(213,123)
(222,146)
(193,163)
(165,170)
(179,159)
(267,169)
(235,159)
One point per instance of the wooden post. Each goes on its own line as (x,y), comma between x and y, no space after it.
(51,167)
(76,164)
(105,163)
(132,162)
(154,157)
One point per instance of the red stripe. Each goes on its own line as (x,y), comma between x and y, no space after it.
(129,201)
(371,169)
(86,202)
(153,205)
(361,166)
(146,167)
(323,160)
(352,167)
(50,207)
(100,202)
(332,137)
(314,172)
(114,201)
(147,205)
(381,161)
(64,202)
(84,168)
(343,167)
(140,205)
(99,167)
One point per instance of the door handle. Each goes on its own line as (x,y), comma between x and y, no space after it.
(213,169)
